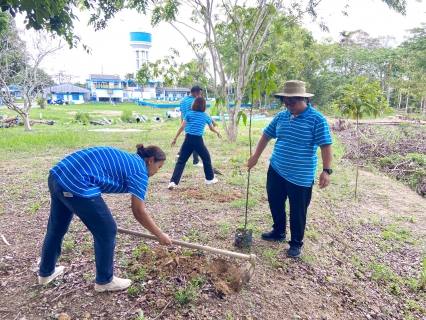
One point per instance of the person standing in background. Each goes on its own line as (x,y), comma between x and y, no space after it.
(299,131)
(194,123)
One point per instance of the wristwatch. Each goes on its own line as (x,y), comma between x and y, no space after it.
(329,171)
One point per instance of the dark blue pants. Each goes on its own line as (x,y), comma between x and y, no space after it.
(95,214)
(190,144)
(279,189)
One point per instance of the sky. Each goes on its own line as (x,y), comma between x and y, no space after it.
(111,52)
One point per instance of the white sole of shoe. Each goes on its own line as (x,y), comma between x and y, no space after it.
(46,280)
(97,289)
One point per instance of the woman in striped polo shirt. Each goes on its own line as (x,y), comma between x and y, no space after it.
(76,184)
(194,123)
(299,131)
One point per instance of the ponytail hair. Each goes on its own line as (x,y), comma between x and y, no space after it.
(150,151)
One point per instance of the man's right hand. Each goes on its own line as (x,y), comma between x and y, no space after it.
(252,161)
(164,240)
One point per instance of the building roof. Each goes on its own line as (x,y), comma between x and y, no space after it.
(104,76)
(172,89)
(66,88)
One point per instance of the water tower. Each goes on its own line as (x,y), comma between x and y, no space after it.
(141,43)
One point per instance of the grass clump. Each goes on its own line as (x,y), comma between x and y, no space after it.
(126,115)
(84,118)
(186,295)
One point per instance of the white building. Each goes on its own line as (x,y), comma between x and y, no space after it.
(68,92)
(105,87)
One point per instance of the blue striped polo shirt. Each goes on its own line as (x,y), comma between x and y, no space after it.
(89,172)
(196,122)
(185,105)
(294,156)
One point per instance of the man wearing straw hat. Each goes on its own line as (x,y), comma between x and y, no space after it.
(299,131)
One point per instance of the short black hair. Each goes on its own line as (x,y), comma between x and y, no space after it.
(196,89)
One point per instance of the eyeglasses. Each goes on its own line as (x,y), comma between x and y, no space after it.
(289,100)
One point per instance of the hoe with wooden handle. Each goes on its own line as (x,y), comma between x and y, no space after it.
(248,270)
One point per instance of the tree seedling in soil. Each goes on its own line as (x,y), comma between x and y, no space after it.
(358,100)
(260,81)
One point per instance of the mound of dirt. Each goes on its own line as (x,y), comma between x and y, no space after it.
(226,277)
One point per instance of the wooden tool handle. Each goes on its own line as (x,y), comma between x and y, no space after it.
(251,257)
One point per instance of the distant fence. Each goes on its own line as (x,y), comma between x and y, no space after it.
(173,105)
(160,105)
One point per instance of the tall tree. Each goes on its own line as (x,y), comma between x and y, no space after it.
(244,29)
(411,66)
(20,68)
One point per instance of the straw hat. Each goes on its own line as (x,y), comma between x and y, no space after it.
(294,88)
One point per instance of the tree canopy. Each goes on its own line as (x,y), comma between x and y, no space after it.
(59,17)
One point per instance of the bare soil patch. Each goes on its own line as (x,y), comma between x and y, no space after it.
(362,257)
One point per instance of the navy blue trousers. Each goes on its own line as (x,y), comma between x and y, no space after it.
(190,144)
(95,214)
(279,189)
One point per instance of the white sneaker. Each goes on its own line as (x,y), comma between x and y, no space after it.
(45,280)
(171,185)
(115,285)
(214,180)
(199,164)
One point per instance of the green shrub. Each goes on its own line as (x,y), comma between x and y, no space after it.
(83,117)
(214,109)
(126,115)
(41,101)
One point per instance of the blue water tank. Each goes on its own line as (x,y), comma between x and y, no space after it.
(140,37)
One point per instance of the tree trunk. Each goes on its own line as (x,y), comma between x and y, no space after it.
(406,105)
(424,108)
(232,125)
(399,102)
(357,156)
(26,120)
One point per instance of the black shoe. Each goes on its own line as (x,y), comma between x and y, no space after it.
(273,236)
(294,252)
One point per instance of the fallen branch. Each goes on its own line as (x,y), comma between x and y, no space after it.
(163,310)
(400,164)
(130,310)
(49,122)
(64,294)
(4,239)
